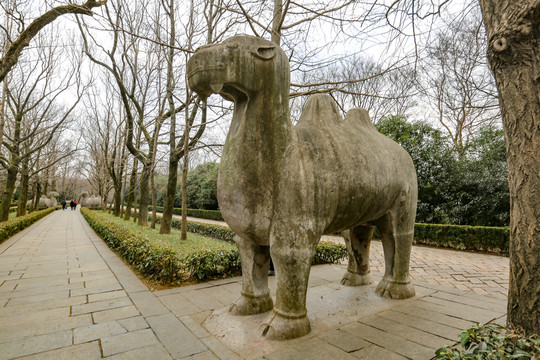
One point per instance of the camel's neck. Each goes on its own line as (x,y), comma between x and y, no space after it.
(261,128)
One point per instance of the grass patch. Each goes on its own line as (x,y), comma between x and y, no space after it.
(194,242)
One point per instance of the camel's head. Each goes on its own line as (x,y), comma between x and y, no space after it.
(238,68)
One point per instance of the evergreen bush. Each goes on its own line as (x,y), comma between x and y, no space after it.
(164,265)
(494,342)
(463,237)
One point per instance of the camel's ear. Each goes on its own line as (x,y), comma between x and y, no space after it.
(265,52)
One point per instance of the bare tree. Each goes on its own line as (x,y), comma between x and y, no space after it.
(135,67)
(27,33)
(36,116)
(108,128)
(456,82)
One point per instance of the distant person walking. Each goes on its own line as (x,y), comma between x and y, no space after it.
(64,204)
(72,204)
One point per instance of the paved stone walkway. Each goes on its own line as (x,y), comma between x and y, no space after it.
(481,273)
(65,295)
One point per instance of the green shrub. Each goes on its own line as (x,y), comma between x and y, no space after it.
(208,264)
(210,230)
(492,341)
(203,214)
(462,237)
(162,264)
(155,262)
(329,253)
(13,226)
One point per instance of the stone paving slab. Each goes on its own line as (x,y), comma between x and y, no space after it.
(480,273)
(65,295)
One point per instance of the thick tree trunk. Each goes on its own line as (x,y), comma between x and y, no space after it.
(117,198)
(513,29)
(168,207)
(38,195)
(154,200)
(8,192)
(131,193)
(144,194)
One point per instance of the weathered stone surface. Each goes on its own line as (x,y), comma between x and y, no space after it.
(281,187)
(87,351)
(97,331)
(128,341)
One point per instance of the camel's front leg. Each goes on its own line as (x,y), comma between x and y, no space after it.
(292,261)
(255,297)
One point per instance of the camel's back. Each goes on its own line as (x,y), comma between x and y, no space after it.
(355,169)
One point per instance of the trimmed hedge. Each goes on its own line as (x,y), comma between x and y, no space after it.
(210,264)
(203,214)
(463,237)
(460,237)
(327,252)
(154,262)
(162,264)
(13,226)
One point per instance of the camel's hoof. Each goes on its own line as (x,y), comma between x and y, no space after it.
(251,305)
(354,279)
(395,290)
(280,327)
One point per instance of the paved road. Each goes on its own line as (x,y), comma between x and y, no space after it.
(65,295)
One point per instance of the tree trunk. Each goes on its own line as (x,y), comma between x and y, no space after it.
(38,195)
(513,29)
(8,192)
(168,207)
(154,200)
(144,194)
(117,198)
(23,190)
(131,193)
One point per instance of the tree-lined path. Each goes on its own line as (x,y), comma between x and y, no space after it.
(65,295)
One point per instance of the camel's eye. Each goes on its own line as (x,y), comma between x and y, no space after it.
(265,52)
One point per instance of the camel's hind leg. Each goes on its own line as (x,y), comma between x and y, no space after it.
(397,237)
(358,240)
(255,297)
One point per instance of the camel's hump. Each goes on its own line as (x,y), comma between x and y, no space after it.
(320,110)
(359,116)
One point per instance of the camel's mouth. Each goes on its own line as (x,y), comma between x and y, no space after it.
(199,69)
(233,93)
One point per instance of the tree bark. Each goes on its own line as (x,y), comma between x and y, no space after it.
(168,207)
(117,198)
(23,190)
(144,194)
(154,199)
(8,192)
(131,192)
(513,29)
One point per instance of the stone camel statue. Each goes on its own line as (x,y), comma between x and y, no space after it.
(281,187)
